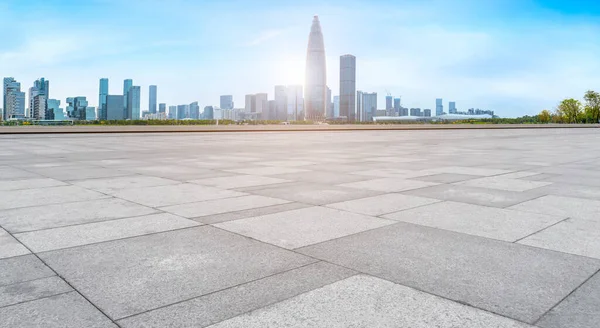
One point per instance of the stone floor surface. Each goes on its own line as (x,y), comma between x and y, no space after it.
(449,228)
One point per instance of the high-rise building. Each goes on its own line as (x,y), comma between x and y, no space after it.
(439,107)
(133,103)
(315,88)
(182,112)
(39,108)
(427,112)
(336,106)
(272,112)
(194,111)
(209,113)
(77,108)
(281,103)
(295,103)
(172,112)
(389,105)
(329,111)
(114,108)
(250,104)
(90,113)
(127,84)
(226,102)
(40,87)
(452,107)
(103,94)
(262,103)
(415,112)
(162,108)
(359,106)
(369,106)
(54,112)
(152,99)
(347,106)
(14,99)
(397,105)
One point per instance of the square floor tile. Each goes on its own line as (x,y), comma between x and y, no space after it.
(446,178)
(77,235)
(303,227)
(9,246)
(383,204)
(30,184)
(32,290)
(497,223)
(61,311)
(389,184)
(267,170)
(110,185)
(322,177)
(312,193)
(363,301)
(59,215)
(239,181)
(174,194)
(19,269)
(504,184)
(45,196)
(259,211)
(219,206)
(563,206)
(130,276)
(579,310)
(469,170)
(513,280)
(574,236)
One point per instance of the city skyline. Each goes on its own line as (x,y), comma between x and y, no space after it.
(455,54)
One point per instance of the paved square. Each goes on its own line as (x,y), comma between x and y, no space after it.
(445,228)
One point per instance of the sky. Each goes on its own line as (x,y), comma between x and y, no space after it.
(516,57)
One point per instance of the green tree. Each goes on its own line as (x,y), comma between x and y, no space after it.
(545,116)
(592,106)
(570,110)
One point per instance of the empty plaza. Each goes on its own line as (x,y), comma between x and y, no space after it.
(439,228)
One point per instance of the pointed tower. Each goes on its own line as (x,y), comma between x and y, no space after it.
(315,88)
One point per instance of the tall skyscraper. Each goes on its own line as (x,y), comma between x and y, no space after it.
(452,107)
(127,84)
(40,87)
(359,107)
(90,113)
(14,99)
(369,106)
(397,105)
(103,94)
(281,103)
(427,112)
(54,111)
(315,88)
(389,105)
(250,104)
(209,113)
(262,103)
(336,106)
(114,107)
(133,103)
(347,108)
(272,112)
(329,105)
(39,108)
(183,111)
(194,111)
(439,107)
(152,99)
(295,103)
(226,102)
(162,108)
(172,112)
(77,108)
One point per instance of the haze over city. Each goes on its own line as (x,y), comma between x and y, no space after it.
(514,57)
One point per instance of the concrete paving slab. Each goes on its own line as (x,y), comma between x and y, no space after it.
(392,173)
(579,310)
(509,279)
(174,194)
(286,163)
(563,206)
(322,177)
(59,215)
(267,170)
(30,184)
(210,309)
(502,183)
(363,301)
(496,223)
(130,276)
(574,236)
(9,246)
(32,290)
(22,268)
(239,181)
(302,227)
(446,178)
(474,195)
(174,172)
(78,172)
(253,212)
(571,190)
(61,311)
(312,193)
(389,185)
(219,206)
(45,196)
(77,235)
(383,204)
(110,185)
(8,173)
(469,170)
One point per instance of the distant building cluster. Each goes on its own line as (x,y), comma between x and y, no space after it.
(312,101)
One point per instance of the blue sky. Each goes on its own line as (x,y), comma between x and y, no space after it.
(513,56)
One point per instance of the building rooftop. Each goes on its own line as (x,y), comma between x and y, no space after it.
(443,228)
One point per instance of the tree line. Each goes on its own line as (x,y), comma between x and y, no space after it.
(573,111)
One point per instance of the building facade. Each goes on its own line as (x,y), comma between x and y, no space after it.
(389,106)
(347,106)
(439,107)
(77,108)
(295,103)
(114,108)
(40,107)
(127,84)
(162,108)
(194,111)
(281,103)
(133,103)
(369,106)
(452,107)
(336,106)
(315,87)
(152,99)
(102,99)
(397,105)
(226,102)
